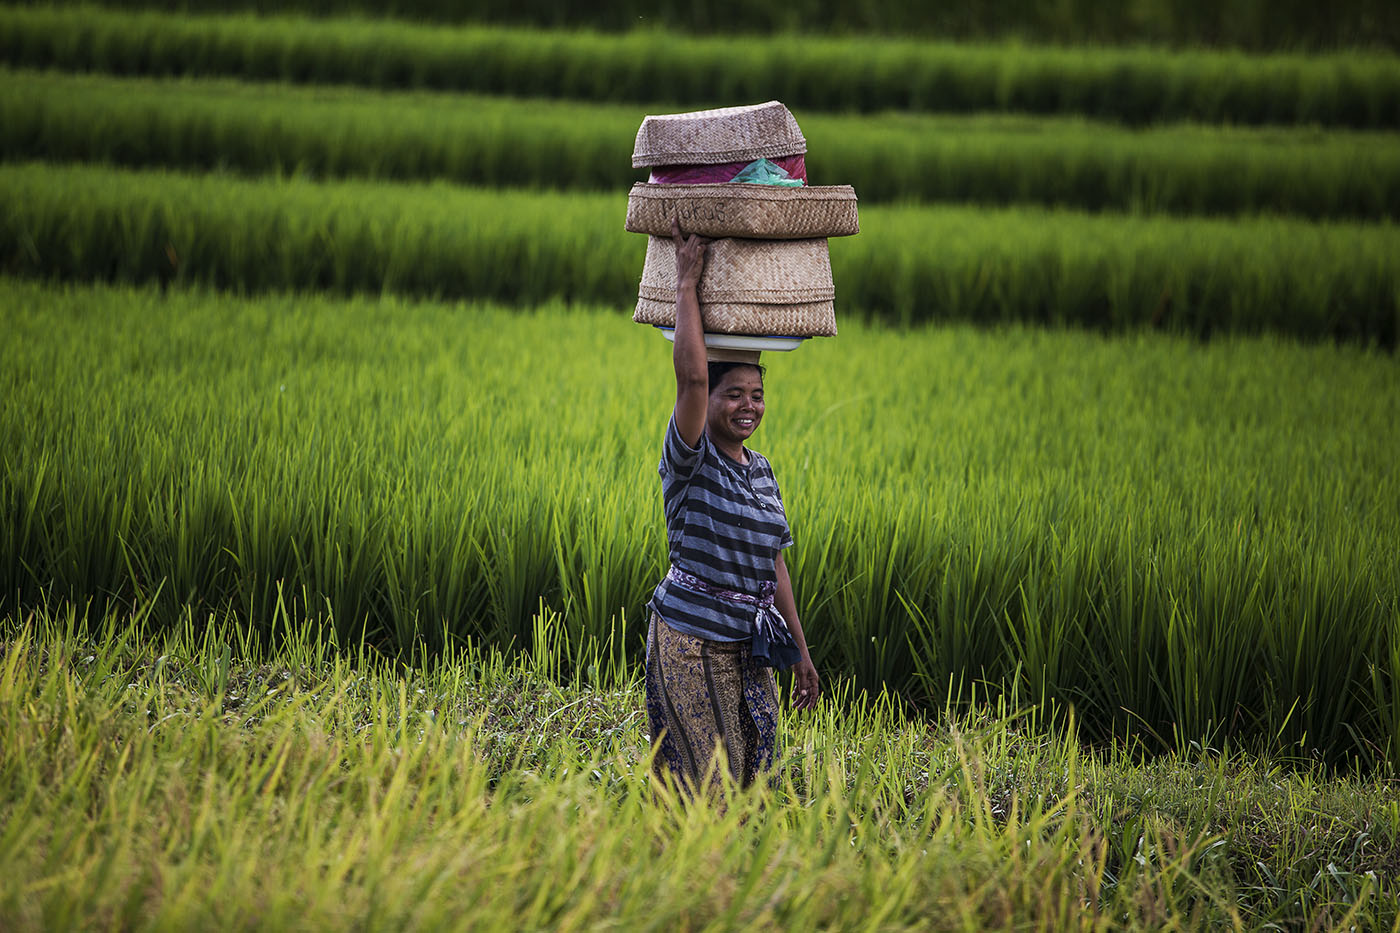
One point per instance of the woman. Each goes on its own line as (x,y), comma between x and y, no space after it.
(724,615)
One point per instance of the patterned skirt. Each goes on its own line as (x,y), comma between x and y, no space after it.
(702,695)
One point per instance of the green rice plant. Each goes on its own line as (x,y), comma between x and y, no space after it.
(1183,542)
(256,128)
(1133,85)
(1202,277)
(193,785)
(1012,159)
(1239,23)
(426,239)
(909,265)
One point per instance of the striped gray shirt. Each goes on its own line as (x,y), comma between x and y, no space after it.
(724,525)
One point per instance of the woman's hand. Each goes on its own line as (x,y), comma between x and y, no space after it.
(806,685)
(690,255)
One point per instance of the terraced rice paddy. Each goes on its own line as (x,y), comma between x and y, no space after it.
(1006,159)
(1248,24)
(1133,85)
(328,495)
(908,266)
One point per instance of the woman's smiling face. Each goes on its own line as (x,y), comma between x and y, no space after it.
(736,405)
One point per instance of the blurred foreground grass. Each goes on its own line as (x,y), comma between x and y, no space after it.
(190,778)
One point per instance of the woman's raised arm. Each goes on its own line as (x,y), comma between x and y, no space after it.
(692,373)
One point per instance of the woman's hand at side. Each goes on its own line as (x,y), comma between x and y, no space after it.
(692,373)
(806,685)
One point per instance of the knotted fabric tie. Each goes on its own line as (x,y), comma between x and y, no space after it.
(773,645)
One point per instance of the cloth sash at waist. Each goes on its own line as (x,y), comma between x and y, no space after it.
(773,644)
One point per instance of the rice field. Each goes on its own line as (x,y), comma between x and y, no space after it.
(329,512)
(908,266)
(1248,24)
(1078,530)
(328,132)
(670,71)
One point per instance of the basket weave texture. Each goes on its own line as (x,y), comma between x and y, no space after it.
(758,287)
(765,212)
(707,137)
(750,271)
(809,319)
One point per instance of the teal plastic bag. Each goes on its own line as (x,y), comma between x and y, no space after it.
(763,172)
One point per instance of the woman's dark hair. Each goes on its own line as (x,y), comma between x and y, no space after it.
(718,369)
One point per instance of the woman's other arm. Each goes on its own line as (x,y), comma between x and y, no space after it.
(692,374)
(804,673)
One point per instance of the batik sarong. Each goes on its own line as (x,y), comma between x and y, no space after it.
(702,695)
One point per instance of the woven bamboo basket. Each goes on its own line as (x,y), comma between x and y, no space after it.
(708,137)
(759,287)
(808,319)
(762,271)
(764,212)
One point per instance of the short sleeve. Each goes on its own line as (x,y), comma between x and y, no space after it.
(785,541)
(679,459)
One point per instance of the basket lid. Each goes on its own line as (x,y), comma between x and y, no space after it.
(708,137)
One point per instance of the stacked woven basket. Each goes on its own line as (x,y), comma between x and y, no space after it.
(767,278)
